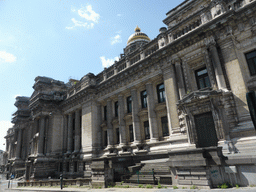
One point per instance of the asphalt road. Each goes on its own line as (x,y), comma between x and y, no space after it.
(13,188)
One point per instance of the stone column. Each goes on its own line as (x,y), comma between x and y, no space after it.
(135,117)
(154,136)
(128,63)
(65,132)
(115,69)
(70,133)
(217,67)
(90,128)
(18,148)
(123,139)
(109,124)
(171,98)
(181,84)
(98,141)
(41,136)
(77,131)
(142,55)
(10,149)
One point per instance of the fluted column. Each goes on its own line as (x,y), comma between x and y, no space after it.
(109,124)
(171,98)
(18,148)
(217,67)
(181,84)
(70,133)
(41,136)
(77,131)
(135,117)
(123,139)
(154,136)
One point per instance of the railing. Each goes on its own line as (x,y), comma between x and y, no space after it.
(122,64)
(121,67)
(151,50)
(110,73)
(135,59)
(187,29)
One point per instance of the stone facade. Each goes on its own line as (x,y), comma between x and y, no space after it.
(178,97)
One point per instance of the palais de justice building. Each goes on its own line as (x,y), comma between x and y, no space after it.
(176,103)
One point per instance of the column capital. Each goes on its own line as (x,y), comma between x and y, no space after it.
(149,83)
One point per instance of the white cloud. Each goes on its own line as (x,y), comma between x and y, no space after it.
(116,39)
(86,13)
(89,14)
(7,57)
(80,24)
(107,62)
(4,126)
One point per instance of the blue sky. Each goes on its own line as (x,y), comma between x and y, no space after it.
(66,39)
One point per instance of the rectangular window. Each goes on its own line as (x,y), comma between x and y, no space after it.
(105,140)
(165,129)
(160,93)
(131,133)
(129,104)
(117,136)
(202,78)
(67,167)
(116,109)
(251,61)
(105,113)
(143,97)
(60,167)
(75,166)
(146,129)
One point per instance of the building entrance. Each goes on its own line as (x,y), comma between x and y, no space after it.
(205,128)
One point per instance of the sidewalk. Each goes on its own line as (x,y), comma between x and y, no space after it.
(244,189)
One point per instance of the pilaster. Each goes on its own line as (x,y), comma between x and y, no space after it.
(154,136)
(109,124)
(70,134)
(77,131)
(41,136)
(123,139)
(135,117)
(217,67)
(171,98)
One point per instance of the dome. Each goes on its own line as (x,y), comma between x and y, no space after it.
(138,36)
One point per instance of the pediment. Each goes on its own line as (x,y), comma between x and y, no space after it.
(199,95)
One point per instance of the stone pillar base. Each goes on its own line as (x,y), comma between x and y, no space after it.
(193,166)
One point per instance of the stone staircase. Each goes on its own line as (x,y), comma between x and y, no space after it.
(242,142)
(143,173)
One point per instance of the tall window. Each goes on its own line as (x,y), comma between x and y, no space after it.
(165,129)
(143,97)
(67,167)
(117,136)
(160,93)
(129,104)
(105,113)
(75,166)
(202,78)
(131,133)
(146,129)
(116,109)
(105,140)
(251,60)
